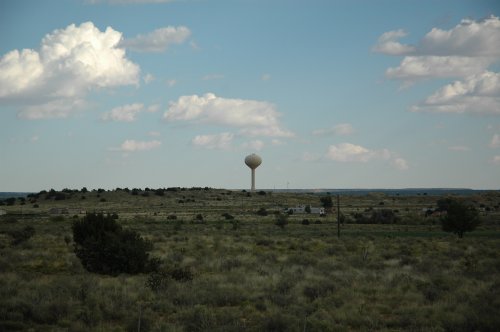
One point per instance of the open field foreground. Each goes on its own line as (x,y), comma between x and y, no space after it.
(226,268)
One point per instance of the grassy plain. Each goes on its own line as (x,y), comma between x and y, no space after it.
(247,274)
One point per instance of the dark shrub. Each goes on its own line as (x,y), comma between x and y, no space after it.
(182,274)
(318,289)
(281,220)
(59,196)
(160,192)
(8,219)
(327,202)
(228,216)
(235,224)
(383,216)
(10,201)
(262,212)
(23,235)
(264,242)
(104,247)
(158,281)
(277,323)
(305,221)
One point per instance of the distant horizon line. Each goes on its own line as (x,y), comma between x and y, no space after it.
(285,189)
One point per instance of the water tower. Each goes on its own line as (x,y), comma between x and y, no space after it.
(253,161)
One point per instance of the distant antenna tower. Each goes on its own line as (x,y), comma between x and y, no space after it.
(253,161)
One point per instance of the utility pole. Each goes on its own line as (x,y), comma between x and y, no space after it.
(338,215)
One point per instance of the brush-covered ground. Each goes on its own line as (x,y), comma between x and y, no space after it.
(246,273)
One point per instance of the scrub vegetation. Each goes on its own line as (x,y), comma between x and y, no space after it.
(207,260)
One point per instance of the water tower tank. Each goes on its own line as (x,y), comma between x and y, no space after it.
(253,161)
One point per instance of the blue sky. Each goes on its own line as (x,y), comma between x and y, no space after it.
(331,94)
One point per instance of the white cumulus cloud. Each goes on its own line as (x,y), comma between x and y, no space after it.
(158,40)
(217,141)
(58,108)
(19,71)
(476,94)
(388,44)
(126,113)
(465,52)
(425,67)
(468,38)
(348,152)
(342,129)
(70,62)
(468,48)
(254,118)
(131,145)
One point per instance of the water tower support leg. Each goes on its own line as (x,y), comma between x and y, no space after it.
(253,179)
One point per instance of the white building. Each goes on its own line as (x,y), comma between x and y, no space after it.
(302,209)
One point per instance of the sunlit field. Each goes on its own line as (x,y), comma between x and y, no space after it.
(226,266)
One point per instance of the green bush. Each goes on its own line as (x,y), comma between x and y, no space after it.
(459,217)
(105,247)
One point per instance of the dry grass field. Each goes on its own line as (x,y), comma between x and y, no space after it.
(224,267)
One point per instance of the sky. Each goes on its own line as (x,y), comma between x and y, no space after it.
(331,94)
